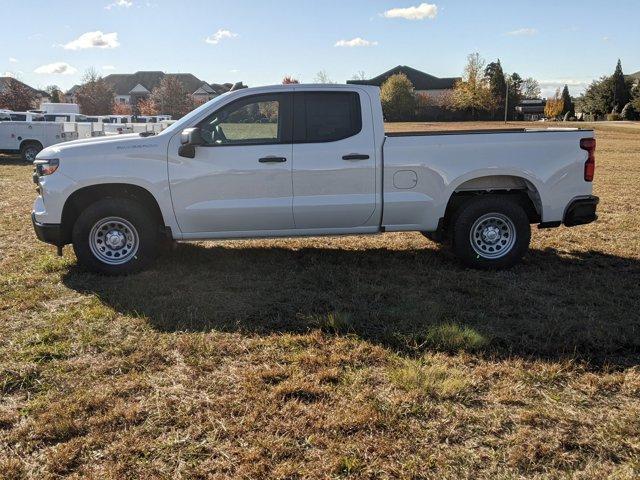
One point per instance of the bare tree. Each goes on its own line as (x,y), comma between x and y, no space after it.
(289,80)
(359,75)
(323,77)
(531,88)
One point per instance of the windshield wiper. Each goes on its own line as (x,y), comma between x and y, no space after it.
(147,134)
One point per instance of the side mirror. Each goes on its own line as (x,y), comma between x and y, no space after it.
(190,138)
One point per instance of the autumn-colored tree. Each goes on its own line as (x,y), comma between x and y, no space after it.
(289,80)
(398,98)
(121,109)
(95,96)
(17,96)
(472,92)
(146,106)
(554,106)
(172,98)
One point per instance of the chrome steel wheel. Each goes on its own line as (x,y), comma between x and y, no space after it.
(493,235)
(113,240)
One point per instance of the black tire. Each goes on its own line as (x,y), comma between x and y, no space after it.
(29,150)
(497,217)
(121,211)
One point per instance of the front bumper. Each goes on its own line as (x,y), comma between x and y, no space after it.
(581,211)
(48,232)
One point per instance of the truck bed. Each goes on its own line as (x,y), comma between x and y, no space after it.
(479,131)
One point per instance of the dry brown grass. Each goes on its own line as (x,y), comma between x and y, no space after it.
(362,357)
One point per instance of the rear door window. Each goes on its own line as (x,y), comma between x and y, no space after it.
(326,116)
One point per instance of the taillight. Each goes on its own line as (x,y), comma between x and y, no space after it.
(589,144)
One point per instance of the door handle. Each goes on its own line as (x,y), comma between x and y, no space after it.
(355,156)
(272,160)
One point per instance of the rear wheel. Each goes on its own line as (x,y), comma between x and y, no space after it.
(115,236)
(29,150)
(491,232)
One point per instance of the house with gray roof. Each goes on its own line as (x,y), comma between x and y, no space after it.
(129,88)
(434,87)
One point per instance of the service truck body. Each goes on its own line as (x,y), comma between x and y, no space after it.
(321,165)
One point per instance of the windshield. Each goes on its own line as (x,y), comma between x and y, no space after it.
(180,124)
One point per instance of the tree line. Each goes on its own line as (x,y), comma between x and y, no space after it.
(485,92)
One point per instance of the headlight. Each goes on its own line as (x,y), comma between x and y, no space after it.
(46,166)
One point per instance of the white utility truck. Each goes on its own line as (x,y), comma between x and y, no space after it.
(298,160)
(28,138)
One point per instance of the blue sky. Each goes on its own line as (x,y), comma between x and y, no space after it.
(258,42)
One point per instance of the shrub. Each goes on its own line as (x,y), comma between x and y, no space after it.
(398,99)
(614,117)
(628,112)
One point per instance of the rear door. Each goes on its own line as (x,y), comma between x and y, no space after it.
(334,160)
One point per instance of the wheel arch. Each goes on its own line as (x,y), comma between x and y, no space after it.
(85,196)
(516,186)
(28,141)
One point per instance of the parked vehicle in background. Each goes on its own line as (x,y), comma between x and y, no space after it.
(119,118)
(65,117)
(299,160)
(26,116)
(60,108)
(29,138)
(151,118)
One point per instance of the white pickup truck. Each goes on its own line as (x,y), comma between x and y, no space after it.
(298,160)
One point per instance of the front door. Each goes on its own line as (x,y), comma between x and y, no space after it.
(240,179)
(334,177)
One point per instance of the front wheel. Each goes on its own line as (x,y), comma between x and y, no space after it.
(115,236)
(491,232)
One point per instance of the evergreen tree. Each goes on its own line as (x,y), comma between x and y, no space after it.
(620,88)
(55,94)
(567,102)
(494,75)
(515,93)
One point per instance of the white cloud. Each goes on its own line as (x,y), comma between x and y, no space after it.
(13,60)
(356,42)
(422,11)
(523,32)
(576,86)
(119,3)
(93,40)
(56,68)
(606,39)
(220,35)
(108,67)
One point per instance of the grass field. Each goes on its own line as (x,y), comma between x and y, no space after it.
(361,357)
